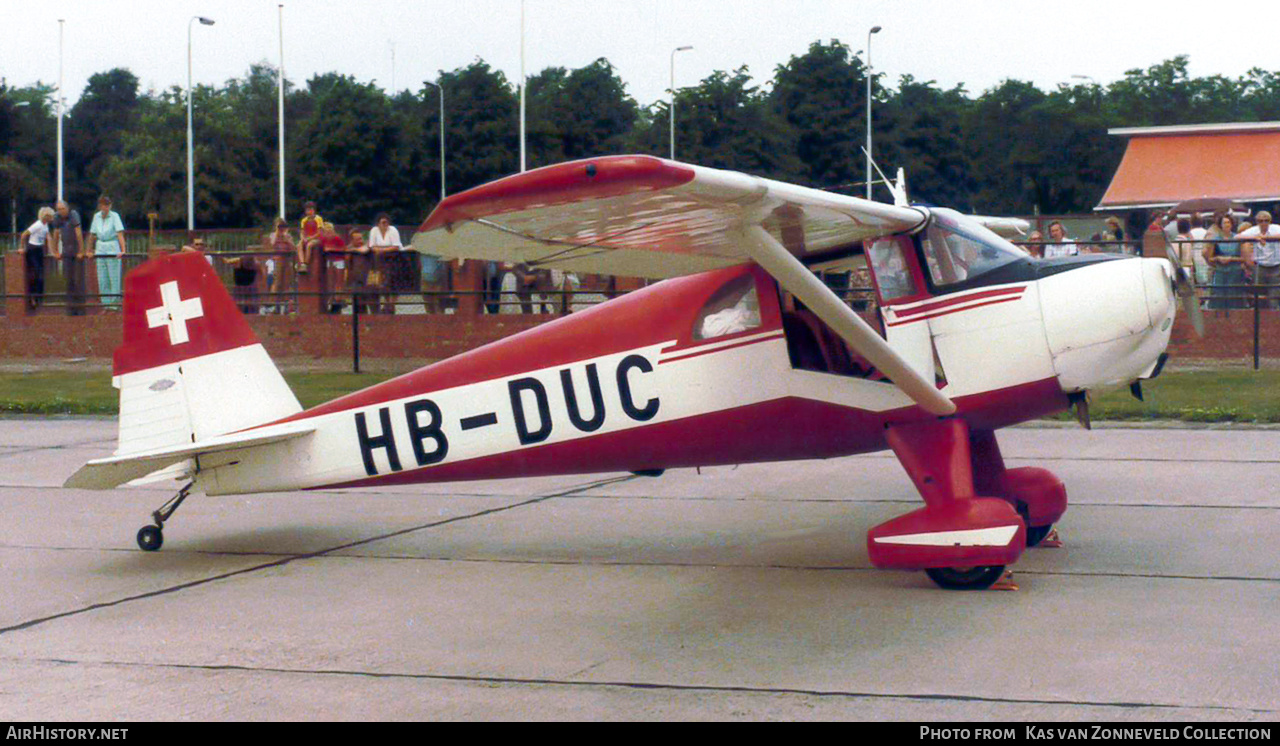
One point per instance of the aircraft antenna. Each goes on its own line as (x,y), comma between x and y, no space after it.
(883,178)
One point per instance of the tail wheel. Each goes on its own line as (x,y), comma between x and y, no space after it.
(150,538)
(965,578)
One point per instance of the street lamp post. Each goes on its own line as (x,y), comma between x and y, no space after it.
(280,111)
(440,88)
(61,101)
(874,30)
(191,173)
(673,98)
(523,81)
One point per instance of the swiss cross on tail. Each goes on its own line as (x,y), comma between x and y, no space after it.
(174,313)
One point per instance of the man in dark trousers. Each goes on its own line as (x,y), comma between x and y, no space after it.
(68,243)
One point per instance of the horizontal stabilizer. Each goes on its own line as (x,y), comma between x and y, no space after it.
(106,473)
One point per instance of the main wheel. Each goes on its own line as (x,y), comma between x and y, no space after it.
(1036,534)
(150,538)
(965,578)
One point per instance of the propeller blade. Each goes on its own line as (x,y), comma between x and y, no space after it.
(1135,388)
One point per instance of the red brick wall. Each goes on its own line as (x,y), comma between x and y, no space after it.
(428,337)
(434,337)
(1226,337)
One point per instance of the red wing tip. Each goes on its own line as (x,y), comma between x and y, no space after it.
(562,183)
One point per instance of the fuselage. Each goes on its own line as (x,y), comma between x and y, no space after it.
(718,368)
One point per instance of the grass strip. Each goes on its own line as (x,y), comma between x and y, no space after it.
(1213,395)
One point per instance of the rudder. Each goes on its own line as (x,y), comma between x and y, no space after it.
(190,368)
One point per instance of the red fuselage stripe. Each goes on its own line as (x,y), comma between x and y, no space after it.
(927,307)
(955,310)
(721,349)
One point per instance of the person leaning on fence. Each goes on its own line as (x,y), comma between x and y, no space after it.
(1059,244)
(68,246)
(195,245)
(1114,232)
(384,241)
(361,267)
(1263,258)
(1226,258)
(33,240)
(244,280)
(333,252)
(280,242)
(106,241)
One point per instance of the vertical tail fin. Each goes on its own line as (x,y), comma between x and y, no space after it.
(190,368)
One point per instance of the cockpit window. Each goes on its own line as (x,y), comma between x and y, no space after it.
(957,249)
(733,308)
(893,276)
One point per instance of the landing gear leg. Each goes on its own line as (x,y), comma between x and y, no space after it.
(151,538)
(963,541)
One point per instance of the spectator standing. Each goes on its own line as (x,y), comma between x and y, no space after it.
(1033,245)
(1198,234)
(1058,244)
(68,245)
(244,280)
(1183,245)
(280,242)
(361,267)
(435,280)
(1114,232)
(334,252)
(33,240)
(1227,260)
(509,301)
(108,244)
(384,241)
(564,283)
(195,245)
(1264,258)
(1167,222)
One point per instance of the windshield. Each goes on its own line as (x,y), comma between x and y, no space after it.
(957,248)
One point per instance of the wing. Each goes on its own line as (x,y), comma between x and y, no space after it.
(647,217)
(640,216)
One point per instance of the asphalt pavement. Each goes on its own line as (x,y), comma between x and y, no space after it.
(734,593)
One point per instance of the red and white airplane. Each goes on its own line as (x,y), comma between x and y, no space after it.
(742,356)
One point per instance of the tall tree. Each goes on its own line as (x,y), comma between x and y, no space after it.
(822,95)
(149,172)
(725,122)
(343,153)
(923,134)
(94,130)
(483,125)
(28,160)
(590,111)
(1005,158)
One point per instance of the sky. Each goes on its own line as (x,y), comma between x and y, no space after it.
(975,43)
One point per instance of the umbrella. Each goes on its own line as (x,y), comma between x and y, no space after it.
(1202,205)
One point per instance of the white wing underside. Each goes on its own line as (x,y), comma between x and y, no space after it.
(658,231)
(641,216)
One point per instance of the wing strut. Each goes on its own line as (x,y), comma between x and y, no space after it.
(796,278)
